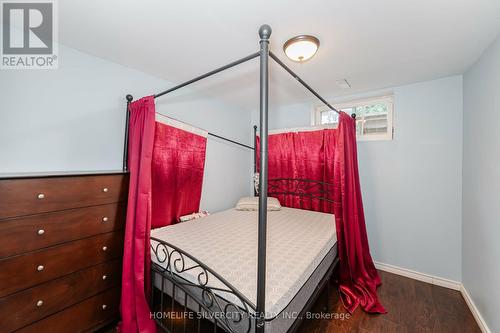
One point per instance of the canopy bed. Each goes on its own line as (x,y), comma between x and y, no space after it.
(220,265)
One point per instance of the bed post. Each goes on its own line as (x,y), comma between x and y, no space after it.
(264,33)
(255,148)
(254,157)
(125,143)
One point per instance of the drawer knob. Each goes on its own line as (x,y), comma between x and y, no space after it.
(40,268)
(41,196)
(105,219)
(39,303)
(105,190)
(104,306)
(104,277)
(104,248)
(41,232)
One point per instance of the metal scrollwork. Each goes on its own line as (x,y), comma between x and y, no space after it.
(305,191)
(227,306)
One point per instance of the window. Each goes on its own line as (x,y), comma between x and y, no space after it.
(373,117)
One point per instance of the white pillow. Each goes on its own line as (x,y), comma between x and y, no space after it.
(193,216)
(252,203)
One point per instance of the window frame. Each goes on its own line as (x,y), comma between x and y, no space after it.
(388,99)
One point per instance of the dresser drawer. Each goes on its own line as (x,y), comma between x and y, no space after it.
(25,234)
(28,306)
(27,270)
(80,317)
(39,195)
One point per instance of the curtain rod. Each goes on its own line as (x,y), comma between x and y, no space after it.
(209,133)
(215,71)
(292,73)
(242,60)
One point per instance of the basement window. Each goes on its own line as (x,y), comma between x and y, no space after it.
(374,117)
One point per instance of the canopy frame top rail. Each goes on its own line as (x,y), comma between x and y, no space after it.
(235,63)
(263,54)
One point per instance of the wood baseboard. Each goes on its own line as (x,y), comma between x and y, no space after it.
(439,282)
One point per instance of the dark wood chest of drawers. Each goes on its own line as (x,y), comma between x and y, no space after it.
(61,246)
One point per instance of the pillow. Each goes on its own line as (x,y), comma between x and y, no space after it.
(193,216)
(252,203)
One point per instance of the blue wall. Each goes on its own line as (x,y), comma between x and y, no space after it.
(72,119)
(412,184)
(481,185)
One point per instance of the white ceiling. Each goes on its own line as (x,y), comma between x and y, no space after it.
(372,44)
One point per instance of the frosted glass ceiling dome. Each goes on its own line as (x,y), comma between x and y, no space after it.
(301,48)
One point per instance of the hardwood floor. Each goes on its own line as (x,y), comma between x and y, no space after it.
(413,307)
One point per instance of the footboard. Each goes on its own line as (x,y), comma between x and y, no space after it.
(203,295)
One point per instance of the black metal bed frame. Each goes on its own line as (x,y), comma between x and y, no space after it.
(208,304)
(307,192)
(206,297)
(208,294)
(210,298)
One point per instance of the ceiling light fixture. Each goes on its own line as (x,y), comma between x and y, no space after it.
(301,48)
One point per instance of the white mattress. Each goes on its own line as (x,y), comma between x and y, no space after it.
(297,241)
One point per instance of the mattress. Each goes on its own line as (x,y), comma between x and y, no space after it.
(298,241)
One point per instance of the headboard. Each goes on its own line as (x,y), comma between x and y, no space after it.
(303,193)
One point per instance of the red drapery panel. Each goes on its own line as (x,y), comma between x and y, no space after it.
(136,254)
(300,155)
(358,277)
(177,173)
(331,156)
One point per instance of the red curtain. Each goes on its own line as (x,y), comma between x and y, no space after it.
(300,155)
(358,277)
(166,173)
(331,156)
(136,254)
(177,172)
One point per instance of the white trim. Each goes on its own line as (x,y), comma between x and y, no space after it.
(438,281)
(475,312)
(388,99)
(301,129)
(180,125)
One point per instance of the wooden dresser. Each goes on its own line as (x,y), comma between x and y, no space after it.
(61,246)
